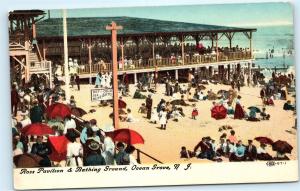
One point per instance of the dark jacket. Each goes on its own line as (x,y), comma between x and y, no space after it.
(251,154)
(36,114)
(94,160)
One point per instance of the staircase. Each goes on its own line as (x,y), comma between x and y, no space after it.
(33,58)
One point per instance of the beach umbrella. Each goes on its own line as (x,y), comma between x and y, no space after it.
(282,147)
(128,136)
(78,112)
(201,87)
(221,92)
(264,140)
(256,109)
(59,148)
(122,104)
(27,160)
(219,112)
(37,129)
(58,110)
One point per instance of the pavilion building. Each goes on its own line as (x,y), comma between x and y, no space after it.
(144,45)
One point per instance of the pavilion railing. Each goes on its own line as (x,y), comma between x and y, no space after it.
(167,62)
(36,67)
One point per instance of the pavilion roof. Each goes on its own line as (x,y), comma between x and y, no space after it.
(25,13)
(95,27)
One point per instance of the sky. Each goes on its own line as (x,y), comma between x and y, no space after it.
(255,14)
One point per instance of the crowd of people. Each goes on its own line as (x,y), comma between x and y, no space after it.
(87,143)
(90,145)
(231,148)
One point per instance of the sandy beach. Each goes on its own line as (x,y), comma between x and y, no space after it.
(166,145)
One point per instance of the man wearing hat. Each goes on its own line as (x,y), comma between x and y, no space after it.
(36,112)
(93,157)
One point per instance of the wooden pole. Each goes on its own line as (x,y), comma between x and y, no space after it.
(90,60)
(66,56)
(113,28)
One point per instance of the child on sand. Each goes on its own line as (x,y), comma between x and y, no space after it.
(195,113)
(184,153)
(143,108)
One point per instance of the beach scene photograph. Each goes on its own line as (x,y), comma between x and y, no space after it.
(153,85)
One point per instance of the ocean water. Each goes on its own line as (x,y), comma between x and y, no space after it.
(278,38)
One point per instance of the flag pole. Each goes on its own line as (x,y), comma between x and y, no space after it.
(113,28)
(66,61)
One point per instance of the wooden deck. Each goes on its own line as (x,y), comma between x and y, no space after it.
(165,64)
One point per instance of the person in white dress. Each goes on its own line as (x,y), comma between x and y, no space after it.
(103,80)
(109,146)
(74,153)
(26,120)
(163,119)
(69,124)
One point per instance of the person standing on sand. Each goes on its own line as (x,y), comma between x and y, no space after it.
(149,102)
(238,112)
(15,99)
(238,85)
(77,80)
(98,80)
(163,119)
(232,85)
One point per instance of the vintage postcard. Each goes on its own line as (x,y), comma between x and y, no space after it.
(152,96)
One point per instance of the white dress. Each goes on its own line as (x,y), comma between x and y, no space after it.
(163,118)
(69,124)
(74,149)
(109,151)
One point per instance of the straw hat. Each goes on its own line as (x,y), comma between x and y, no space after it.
(93,145)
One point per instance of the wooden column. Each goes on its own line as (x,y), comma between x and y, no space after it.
(176,74)
(228,68)
(122,52)
(217,51)
(250,39)
(134,78)
(182,48)
(33,29)
(153,51)
(113,28)
(44,50)
(90,60)
(27,67)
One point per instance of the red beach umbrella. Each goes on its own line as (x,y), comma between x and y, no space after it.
(58,110)
(282,147)
(122,104)
(37,129)
(219,112)
(264,140)
(128,136)
(59,148)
